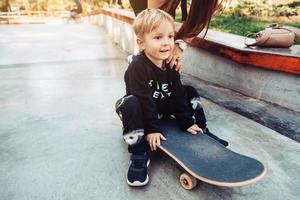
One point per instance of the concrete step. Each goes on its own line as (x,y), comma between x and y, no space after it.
(275,117)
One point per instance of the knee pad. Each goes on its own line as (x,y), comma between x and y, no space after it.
(196,103)
(133,137)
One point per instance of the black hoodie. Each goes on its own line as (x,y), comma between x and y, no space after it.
(159,91)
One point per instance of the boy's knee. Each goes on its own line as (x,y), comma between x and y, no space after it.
(118,105)
(134,137)
(128,101)
(191,91)
(131,101)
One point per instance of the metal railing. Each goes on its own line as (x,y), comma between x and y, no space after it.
(34,14)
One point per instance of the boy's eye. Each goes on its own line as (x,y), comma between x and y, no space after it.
(171,36)
(157,37)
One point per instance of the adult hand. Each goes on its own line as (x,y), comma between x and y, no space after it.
(174,59)
(194,129)
(154,140)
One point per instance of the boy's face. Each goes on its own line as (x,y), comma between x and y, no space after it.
(159,43)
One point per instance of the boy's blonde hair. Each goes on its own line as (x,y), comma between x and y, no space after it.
(149,19)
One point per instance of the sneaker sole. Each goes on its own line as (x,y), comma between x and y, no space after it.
(138,183)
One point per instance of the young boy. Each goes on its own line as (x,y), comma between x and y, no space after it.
(153,92)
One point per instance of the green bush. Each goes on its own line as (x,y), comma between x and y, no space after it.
(261,8)
(285,10)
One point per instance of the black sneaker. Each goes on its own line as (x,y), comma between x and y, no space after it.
(137,172)
(223,142)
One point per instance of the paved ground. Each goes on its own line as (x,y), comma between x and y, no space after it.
(60,137)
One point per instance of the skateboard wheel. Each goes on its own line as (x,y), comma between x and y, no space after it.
(187,181)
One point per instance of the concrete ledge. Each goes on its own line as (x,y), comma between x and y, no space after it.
(270,83)
(232,46)
(118,24)
(277,59)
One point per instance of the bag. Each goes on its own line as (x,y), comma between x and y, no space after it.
(274,36)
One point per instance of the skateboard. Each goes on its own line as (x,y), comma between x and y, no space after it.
(205,159)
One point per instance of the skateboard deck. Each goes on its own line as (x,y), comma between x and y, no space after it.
(207,160)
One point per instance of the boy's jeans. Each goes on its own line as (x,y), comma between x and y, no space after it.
(130,112)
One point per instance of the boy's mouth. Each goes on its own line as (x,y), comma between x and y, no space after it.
(164,51)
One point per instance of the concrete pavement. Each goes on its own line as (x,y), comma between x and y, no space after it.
(60,137)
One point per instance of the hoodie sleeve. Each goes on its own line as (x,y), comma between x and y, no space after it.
(180,103)
(137,84)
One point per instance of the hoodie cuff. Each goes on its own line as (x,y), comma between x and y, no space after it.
(152,130)
(187,124)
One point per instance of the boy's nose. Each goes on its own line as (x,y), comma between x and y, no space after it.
(167,41)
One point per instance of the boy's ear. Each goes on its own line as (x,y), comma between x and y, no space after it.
(140,43)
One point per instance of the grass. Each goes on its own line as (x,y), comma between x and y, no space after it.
(236,25)
(245,25)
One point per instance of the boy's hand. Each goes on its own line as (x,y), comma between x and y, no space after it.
(194,129)
(154,140)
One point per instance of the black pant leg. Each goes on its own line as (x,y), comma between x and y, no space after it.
(138,5)
(194,98)
(129,110)
(196,107)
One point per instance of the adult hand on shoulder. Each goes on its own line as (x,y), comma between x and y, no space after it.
(174,59)
(194,129)
(154,140)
